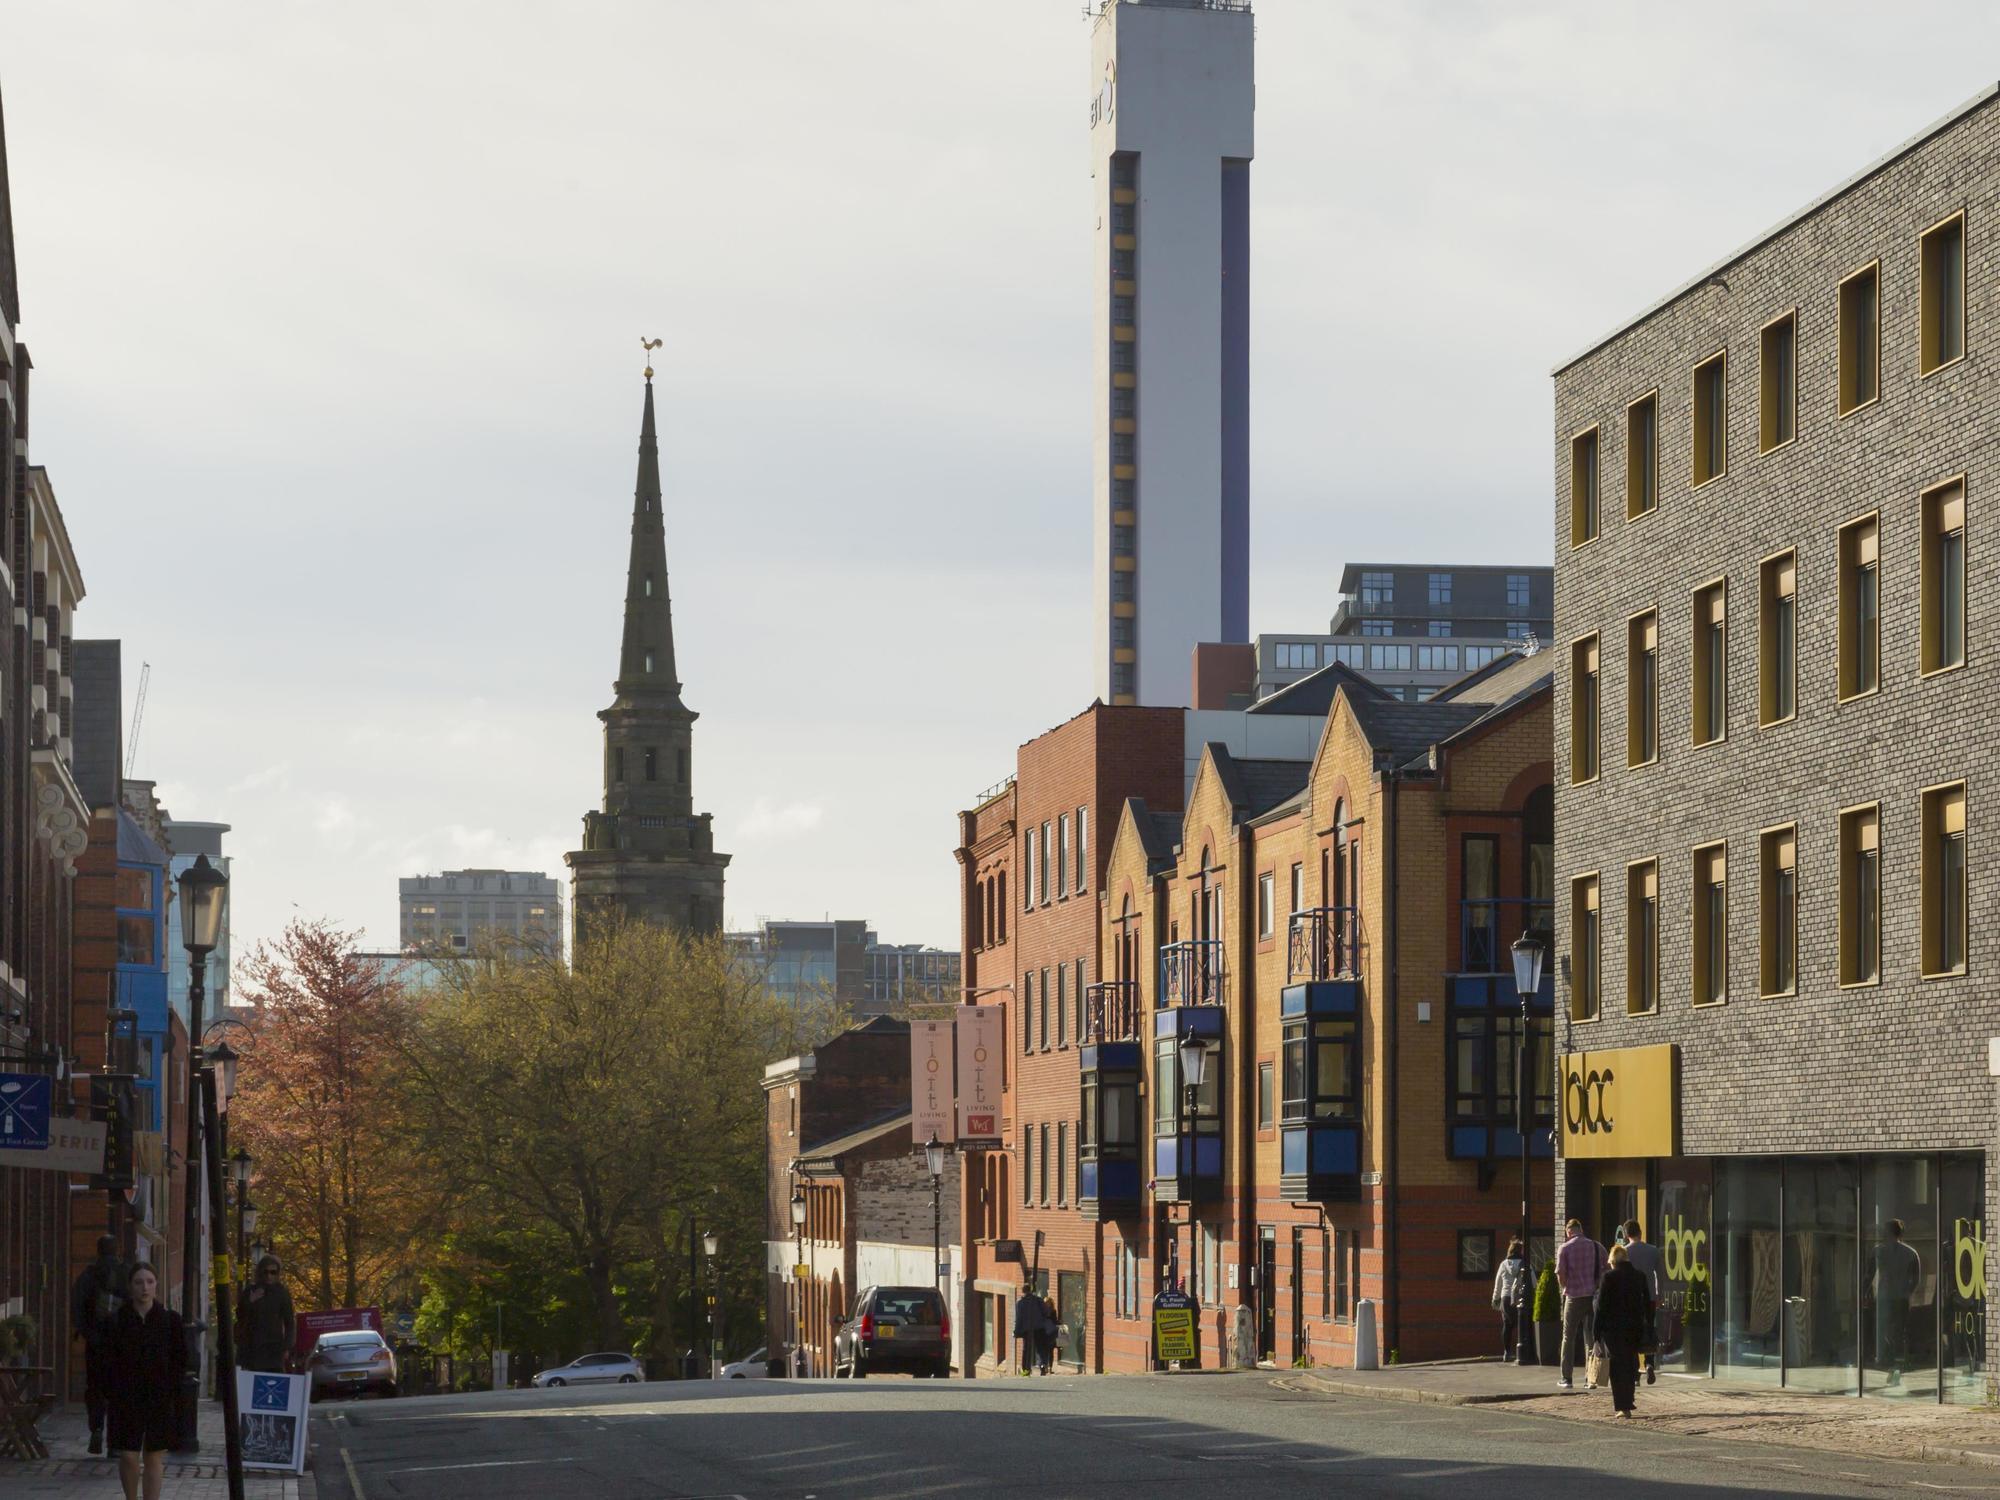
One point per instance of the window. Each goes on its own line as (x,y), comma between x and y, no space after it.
(1583,947)
(1711,419)
(1062,1005)
(1266,1091)
(1861,895)
(1711,663)
(1711,925)
(1438,628)
(1042,1016)
(1778,371)
(1042,862)
(1027,1009)
(1077,1009)
(1642,689)
(1860,607)
(1583,488)
(1322,1069)
(1297,655)
(1860,339)
(1437,658)
(137,928)
(1943,336)
(1027,1164)
(1062,857)
(1517,592)
(1944,880)
(1378,591)
(1298,887)
(1082,852)
(1642,938)
(649,585)
(1778,934)
(1778,638)
(1475,1254)
(1583,711)
(1944,577)
(1062,1161)
(1440,589)
(1346,1272)
(1484,656)
(1388,658)
(1028,870)
(652,764)
(1045,1164)
(1642,457)
(649,663)
(1378,627)
(1267,901)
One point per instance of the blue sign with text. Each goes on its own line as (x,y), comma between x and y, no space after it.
(24,1112)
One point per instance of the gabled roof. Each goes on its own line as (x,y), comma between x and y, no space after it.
(1405,732)
(1159,833)
(1499,679)
(1314,694)
(1256,786)
(829,1151)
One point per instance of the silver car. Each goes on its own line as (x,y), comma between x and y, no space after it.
(595,1369)
(350,1362)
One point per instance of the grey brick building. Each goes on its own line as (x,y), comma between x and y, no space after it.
(1775,715)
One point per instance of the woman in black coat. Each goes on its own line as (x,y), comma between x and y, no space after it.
(1624,1324)
(145,1356)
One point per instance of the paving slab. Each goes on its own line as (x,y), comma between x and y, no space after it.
(70,1472)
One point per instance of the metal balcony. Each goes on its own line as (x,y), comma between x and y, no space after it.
(1325,943)
(1111,1012)
(1191,973)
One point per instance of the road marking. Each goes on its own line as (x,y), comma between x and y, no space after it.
(353,1479)
(491,1463)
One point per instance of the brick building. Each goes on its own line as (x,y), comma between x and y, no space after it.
(1778,1038)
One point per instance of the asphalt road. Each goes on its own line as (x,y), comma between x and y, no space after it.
(1243,1437)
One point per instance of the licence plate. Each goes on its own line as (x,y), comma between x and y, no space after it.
(353,1374)
(886,1331)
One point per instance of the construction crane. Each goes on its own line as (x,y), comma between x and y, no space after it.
(138,718)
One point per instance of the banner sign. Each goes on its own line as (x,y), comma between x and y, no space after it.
(981,1043)
(930,1082)
(24,1111)
(1620,1102)
(1173,1327)
(68,1146)
(271,1420)
(310,1325)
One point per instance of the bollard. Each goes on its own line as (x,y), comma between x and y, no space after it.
(1366,1355)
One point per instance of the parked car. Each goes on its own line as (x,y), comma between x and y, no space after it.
(595,1369)
(894,1328)
(753,1366)
(350,1362)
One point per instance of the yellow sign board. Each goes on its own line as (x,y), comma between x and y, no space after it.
(802,1272)
(1173,1331)
(1623,1102)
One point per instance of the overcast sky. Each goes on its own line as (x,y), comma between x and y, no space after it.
(336,314)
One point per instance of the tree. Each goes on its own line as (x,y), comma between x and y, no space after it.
(318,1107)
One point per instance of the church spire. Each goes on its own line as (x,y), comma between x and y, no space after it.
(646,658)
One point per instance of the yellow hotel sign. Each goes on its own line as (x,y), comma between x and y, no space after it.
(1624,1102)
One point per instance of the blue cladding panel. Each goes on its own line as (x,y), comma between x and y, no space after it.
(1086,1180)
(1208,1156)
(1468,1141)
(1203,1020)
(1164,1164)
(1292,1000)
(1119,1181)
(1336,1151)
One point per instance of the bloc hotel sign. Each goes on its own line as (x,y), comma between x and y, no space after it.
(1622,1102)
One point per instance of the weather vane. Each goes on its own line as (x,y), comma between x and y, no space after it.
(649,345)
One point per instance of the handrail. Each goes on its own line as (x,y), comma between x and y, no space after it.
(1191,973)
(1111,1012)
(1324,943)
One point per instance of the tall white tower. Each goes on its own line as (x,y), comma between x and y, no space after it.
(1173,96)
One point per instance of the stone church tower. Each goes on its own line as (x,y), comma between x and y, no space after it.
(648,854)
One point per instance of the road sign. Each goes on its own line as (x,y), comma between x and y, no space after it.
(1173,1327)
(24,1111)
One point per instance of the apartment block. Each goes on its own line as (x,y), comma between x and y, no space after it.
(1778,1048)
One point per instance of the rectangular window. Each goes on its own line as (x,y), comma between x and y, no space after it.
(1944,880)
(1584,994)
(1943,338)
(1082,852)
(1517,593)
(1027,1010)
(1778,639)
(1078,1009)
(1266,1094)
(1642,689)
(1583,513)
(1346,1272)
(1042,864)
(1779,381)
(1042,1016)
(1711,419)
(1861,895)
(1045,1164)
(1027,1164)
(1062,1005)
(1062,857)
(1860,607)
(1028,870)
(1437,628)
(1475,1254)
(1642,938)
(1642,457)
(1860,339)
(1711,925)
(1777,860)
(1944,577)
(1062,1161)
(1267,901)
(1711,663)
(1583,711)
(1440,590)
(1378,591)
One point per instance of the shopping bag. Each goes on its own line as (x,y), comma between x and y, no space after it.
(1598,1370)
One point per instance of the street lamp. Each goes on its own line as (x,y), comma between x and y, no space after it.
(239,1166)
(798,1265)
(223,1056)
(246,1211)
(204,895)
(934,1160)
(1194,1068)
(1528,980)
(710,1242)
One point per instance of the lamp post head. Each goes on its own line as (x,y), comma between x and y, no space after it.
(798,1207)
(204,896)
(222,1057)
(1527,965)
(1194,1060)
(239,1165)
(934,1156)
(249,1218)
(709,1242)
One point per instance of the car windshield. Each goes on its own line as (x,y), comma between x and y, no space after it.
(347,1340)
(920,1308)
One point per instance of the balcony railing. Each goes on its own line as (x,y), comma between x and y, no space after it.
(1191,973)
(1111,1012)
(1325,944)
(1488,927)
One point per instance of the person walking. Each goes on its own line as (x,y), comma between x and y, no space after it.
(94,1300)
(1646,1259)
(1579,1267)
(1898,1272)
(1624,1324)
(264,1320)
(1510,1284)
(1028,1315)
(145,1358)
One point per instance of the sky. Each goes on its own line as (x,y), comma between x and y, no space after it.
(336,311)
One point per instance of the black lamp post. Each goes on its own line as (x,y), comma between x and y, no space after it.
(798,1263)
(204,894)
(934,1159)
(710,1243)
(1527,979)
(1194,1069)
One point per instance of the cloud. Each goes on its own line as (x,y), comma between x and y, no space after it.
(336,823)
(768,824)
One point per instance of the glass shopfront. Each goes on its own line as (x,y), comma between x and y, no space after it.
(1837,1274)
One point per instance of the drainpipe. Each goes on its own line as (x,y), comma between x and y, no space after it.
(1392,1265)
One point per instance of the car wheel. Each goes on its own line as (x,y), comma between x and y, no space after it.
(389,1391)
(737,1376)
(941,1370)
(628,1379)
(558,1384)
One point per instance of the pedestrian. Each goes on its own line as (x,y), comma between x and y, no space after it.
(146,1358)
(1624,1324)
(1648,1262)
(1051,1330)
(1510,1285)
(1579,1267)
(94,1301)
(264,1319)
(1898,1271)
(1028,1315)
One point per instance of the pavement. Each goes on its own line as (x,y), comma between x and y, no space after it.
(1694,1406)
(1259,1435)
(71,1473)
